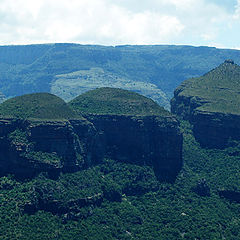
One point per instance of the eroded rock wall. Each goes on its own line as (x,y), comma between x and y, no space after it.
(56,146)
(50,146)
(149,140)
(211,129)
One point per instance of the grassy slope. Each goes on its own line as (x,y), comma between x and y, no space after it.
(37,105)
(115,101)
(219,88)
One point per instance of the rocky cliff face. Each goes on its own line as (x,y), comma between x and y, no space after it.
(45,134)
(28,147)
(211,104)
(144,140)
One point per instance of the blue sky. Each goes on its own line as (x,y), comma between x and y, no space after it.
(108,22)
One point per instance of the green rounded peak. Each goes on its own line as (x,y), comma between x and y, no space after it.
(217,90)
(115,101)
(36,105)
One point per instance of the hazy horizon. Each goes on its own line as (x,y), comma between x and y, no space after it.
(209,23)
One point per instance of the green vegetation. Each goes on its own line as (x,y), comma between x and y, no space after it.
(218,90)
(43,157)
(124,201)
(114,200)
(37,105)
(115,101)
(18,136)
(154,71)
(72,84)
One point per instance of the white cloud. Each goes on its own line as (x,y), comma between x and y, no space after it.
(197,22)
(237,10)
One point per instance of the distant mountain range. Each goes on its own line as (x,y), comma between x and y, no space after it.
(68,70)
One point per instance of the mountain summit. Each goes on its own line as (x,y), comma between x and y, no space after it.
(211,103)
(216,91)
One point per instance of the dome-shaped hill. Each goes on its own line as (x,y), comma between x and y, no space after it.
(115,101)
(36,105)
(216,91)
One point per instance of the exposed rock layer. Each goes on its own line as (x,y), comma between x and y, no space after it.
(143,140)
(71,146)
(46,134)
(211,104)
(74,144)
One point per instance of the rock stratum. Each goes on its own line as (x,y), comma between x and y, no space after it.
(41,133)
(134,129)
(211,104)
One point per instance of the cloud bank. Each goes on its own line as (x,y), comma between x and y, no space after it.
(109,22)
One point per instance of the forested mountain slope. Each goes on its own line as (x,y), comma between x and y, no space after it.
(68,70)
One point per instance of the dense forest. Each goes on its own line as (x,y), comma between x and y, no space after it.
(134,205)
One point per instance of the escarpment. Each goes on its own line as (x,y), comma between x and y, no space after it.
(134,129)
(44,138)
(144,140)
(211,104)
(40,132)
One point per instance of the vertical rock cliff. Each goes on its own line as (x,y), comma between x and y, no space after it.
(43,133)
(211,104)
(140,131)
(39,136)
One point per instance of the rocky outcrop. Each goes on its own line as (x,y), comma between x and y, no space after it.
(211,104)
(31,146)
(211,129)
(69,210)
(145,140)
(46,134)
(215,130)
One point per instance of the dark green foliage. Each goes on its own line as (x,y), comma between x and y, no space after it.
(147,209)
(7,183)
(44,157)
(18,136)
(114,200)
(202,188)
(115,101)
(37,105)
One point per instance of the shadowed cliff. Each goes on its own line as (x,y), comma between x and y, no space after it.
(40,132)
(134,129)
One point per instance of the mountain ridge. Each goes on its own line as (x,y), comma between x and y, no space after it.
(154,70)
(211,104)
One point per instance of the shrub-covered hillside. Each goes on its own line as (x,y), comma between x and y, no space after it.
(68,70)
(115,101)
(216,91)
(36,105)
